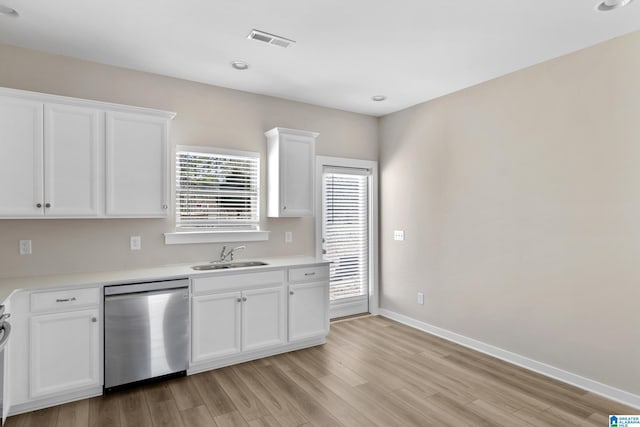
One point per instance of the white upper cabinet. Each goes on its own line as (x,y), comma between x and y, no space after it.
(291,162)
(61,160)
(73,146)
(137,165)
(21,133)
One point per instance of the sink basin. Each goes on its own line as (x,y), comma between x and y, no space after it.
(223,265)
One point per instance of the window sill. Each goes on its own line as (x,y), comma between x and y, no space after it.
(190,237)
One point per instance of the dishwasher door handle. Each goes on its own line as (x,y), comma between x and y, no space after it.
(116,297)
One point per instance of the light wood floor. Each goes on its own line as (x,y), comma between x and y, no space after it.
(371,372)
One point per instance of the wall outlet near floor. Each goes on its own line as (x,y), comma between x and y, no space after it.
(398,235)
(288,236)
(420,298)
(25,247)
(135,243)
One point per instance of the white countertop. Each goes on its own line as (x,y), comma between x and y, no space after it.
(170,271)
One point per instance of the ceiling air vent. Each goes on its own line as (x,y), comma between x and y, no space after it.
(261,36)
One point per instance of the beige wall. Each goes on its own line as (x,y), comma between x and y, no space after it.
(207,115)
(520,199)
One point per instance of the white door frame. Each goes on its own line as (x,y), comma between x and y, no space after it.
(372,165)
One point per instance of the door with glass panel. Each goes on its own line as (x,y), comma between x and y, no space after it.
(346,238)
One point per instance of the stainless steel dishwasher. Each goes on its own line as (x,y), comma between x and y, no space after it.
(146,332)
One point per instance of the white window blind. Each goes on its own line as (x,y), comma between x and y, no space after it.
(346,228)
(217,189)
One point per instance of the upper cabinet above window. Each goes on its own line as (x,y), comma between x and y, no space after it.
(73,158)
(291,162)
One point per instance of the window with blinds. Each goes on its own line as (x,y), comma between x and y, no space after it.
(217,189)
(346,233)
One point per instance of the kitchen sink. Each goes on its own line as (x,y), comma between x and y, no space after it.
(223,265)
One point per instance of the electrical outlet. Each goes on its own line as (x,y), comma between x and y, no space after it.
(420,298)
(398,235)
(288,236)
(25,247)
(135,243)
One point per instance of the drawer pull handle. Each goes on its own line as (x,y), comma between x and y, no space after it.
(65,299)
(310,274)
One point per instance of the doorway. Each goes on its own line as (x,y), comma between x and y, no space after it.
(347,233)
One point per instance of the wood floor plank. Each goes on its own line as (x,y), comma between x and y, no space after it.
(244,399)
(165,414)
(74,414)
(185,393)
(296,396)
(104,411)
(342,411)
(232,419)
(285,413)
(213,395)
(267,421)
(198,416)
(134,411)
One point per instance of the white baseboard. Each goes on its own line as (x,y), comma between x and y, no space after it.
(54,401)
(596,387)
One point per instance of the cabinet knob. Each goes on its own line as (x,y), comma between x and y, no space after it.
(291,292)
(284,208)
(239,299)
(94,319)
(48,205)
(244,298)
(164,206)
(38,205)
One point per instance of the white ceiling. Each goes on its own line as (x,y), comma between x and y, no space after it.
(346,51)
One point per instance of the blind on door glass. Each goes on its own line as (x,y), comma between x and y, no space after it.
(217,190)
(346,216)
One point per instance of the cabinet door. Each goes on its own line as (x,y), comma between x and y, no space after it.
(64,352)
(72,152)
(296,175)
(308,310)
(263,318)
(21,130)
(137,169)
(215,326)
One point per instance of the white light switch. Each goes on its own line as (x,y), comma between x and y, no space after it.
(25,247)
(135,244)
(420,298)
(288,236)
(398,235)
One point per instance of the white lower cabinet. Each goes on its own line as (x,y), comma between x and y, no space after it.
(208,312)
(63,354)
(308,310)
(229,323)
(55,353)
(263,318)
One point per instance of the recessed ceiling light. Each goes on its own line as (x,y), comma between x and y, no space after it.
(239,65)
(7,11)
(378,98)
(608,5)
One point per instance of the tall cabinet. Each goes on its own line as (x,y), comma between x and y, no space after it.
(72,158)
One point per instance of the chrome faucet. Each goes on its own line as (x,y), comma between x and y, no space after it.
(224,255)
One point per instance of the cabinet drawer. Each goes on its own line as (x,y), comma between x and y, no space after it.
(64,300)
(307,274)
(221,282)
